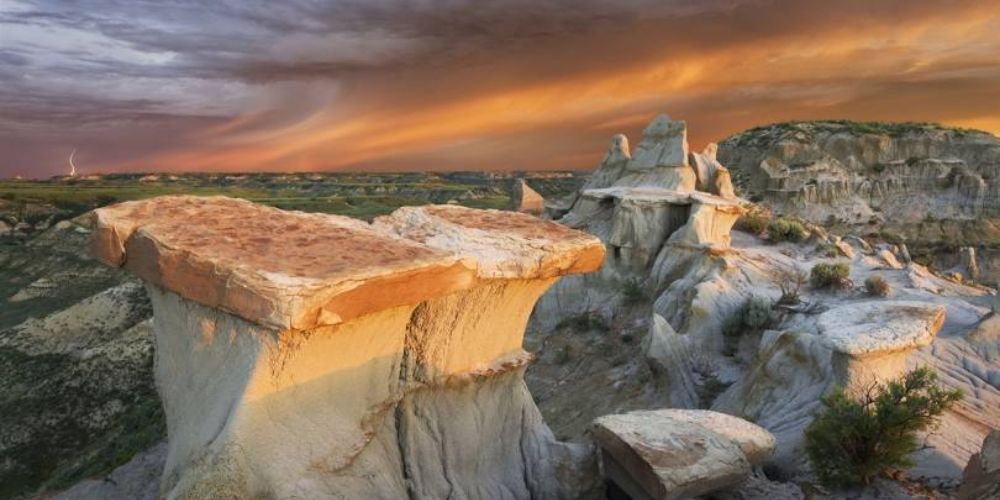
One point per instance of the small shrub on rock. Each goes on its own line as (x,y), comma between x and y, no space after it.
(828,250)
(877,286)
(754,221)
(825,275)
(786,229)
(753,317)
(854,440)
(632,292)
(790,281)
(757,313)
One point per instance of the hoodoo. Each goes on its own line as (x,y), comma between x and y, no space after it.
(304,355)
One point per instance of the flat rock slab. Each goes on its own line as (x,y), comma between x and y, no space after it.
(504,244)
(880,327)
(666,454)
(755,441)
(296,270)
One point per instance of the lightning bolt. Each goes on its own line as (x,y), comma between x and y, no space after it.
(72,166)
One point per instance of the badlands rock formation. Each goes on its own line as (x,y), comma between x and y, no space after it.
(678,246)
(305,355)
(936,186)
(645,205)
(857,171)
(852,346)
(669,454)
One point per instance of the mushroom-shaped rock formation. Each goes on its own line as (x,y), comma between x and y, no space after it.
(636,222)
(851,346)
(660,193)
(871,341)
(666,454)
(307,355)
(525,199)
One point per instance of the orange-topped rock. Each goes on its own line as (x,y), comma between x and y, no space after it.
(274,267)
(351,336)
(506,245)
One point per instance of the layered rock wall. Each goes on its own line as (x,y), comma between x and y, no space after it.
(309,355)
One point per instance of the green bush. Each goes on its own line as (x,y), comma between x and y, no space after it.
(632,292)
(754,316)
(785,229)
(790,280)
(828,250)
(757,313)
(825,275)
(853,440)
(754,221)
(877,286)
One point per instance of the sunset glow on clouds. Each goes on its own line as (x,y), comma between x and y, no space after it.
(460,84)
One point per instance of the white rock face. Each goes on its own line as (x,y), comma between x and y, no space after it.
(407,379)
(667,454)
(712,176)
(613,166)
(664,144)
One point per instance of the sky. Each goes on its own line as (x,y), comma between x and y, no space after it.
(391,85)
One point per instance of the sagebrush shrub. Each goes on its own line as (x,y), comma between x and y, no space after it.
(755,221)
(877,286)
(853,440)
(825,275)
(757,313)
(790,280)
(632,292)
(754,316)
(785,229)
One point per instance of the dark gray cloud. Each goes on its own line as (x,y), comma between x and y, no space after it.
(127,82)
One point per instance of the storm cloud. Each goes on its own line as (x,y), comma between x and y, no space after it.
(463,84)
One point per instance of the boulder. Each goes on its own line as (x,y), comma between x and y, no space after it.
(981,478)
(525,199)
(666,454)
(309,355)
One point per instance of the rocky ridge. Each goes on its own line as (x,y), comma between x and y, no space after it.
(774,375)
(937,187)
